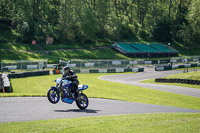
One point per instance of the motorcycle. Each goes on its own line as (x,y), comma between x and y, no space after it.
(67,93)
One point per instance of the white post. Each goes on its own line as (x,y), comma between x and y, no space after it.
(168,51)
(1,66)
(21,65)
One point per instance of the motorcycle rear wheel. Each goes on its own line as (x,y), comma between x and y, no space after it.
(82,101)
(53,95)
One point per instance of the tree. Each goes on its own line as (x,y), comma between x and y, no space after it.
(162,30)
(193,18)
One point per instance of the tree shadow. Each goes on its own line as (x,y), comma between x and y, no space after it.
(79,110)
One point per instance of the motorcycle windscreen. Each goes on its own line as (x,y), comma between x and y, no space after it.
(58,80)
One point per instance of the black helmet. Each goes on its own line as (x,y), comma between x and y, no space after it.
(66,68)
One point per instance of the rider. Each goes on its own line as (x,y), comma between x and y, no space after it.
(71,75)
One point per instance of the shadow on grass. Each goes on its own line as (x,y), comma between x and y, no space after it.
(79,110)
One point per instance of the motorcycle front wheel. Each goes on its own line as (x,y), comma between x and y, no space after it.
(82,101)
(53,95)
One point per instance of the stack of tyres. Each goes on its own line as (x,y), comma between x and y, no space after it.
(77,70)
(94,71)
(61,71)
(140,69)
(1,84)
(111,70)
(127,70)
(54,71)
(57,71)
(47,72)
(34,73)
(193,65)
(27,74)
(19,75)
(181,66)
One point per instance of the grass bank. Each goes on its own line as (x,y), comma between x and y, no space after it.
(56,55)
(38,86)
(138,123)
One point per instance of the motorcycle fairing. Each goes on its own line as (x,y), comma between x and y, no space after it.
(68,100)
(82,87)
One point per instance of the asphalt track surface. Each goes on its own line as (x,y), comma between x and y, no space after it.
(17,109)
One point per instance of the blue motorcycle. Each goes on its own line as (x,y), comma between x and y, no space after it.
(67,93)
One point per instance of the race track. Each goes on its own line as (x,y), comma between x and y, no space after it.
(16,109)
(149,73)
(39,108)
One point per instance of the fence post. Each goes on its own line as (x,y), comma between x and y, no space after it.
(4,90)
(99,63)
(21,64)
(1,66)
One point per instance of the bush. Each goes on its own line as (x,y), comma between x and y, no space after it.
(143,33)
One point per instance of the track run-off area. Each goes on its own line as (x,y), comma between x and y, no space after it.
(15,109)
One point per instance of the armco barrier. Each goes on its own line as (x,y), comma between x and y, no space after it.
(93,71)
(111,70)
(140,69)
(193,65)
(128,70)
(28,74)
(166,67)
(182,81)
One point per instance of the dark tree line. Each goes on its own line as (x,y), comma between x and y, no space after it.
(101,20)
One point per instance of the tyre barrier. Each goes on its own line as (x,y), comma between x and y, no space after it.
(93,71)
(28,74)
(1,84)
(128,70)
(182,81)
(111,70)
(163,68)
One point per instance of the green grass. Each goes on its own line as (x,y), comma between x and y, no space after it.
(185,50)
(138,123)
(191,75)
(10,51)
(38,86)
(152,81)
(55,56)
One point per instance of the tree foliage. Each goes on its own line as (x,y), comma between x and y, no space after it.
(99,20)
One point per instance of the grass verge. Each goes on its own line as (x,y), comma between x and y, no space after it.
(191,75)
(144,123)
(195,75)
(152,81)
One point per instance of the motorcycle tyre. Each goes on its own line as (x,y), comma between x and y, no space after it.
(49,98)
(78,102)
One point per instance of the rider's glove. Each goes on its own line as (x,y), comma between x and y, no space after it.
(68,77)
(64,78)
